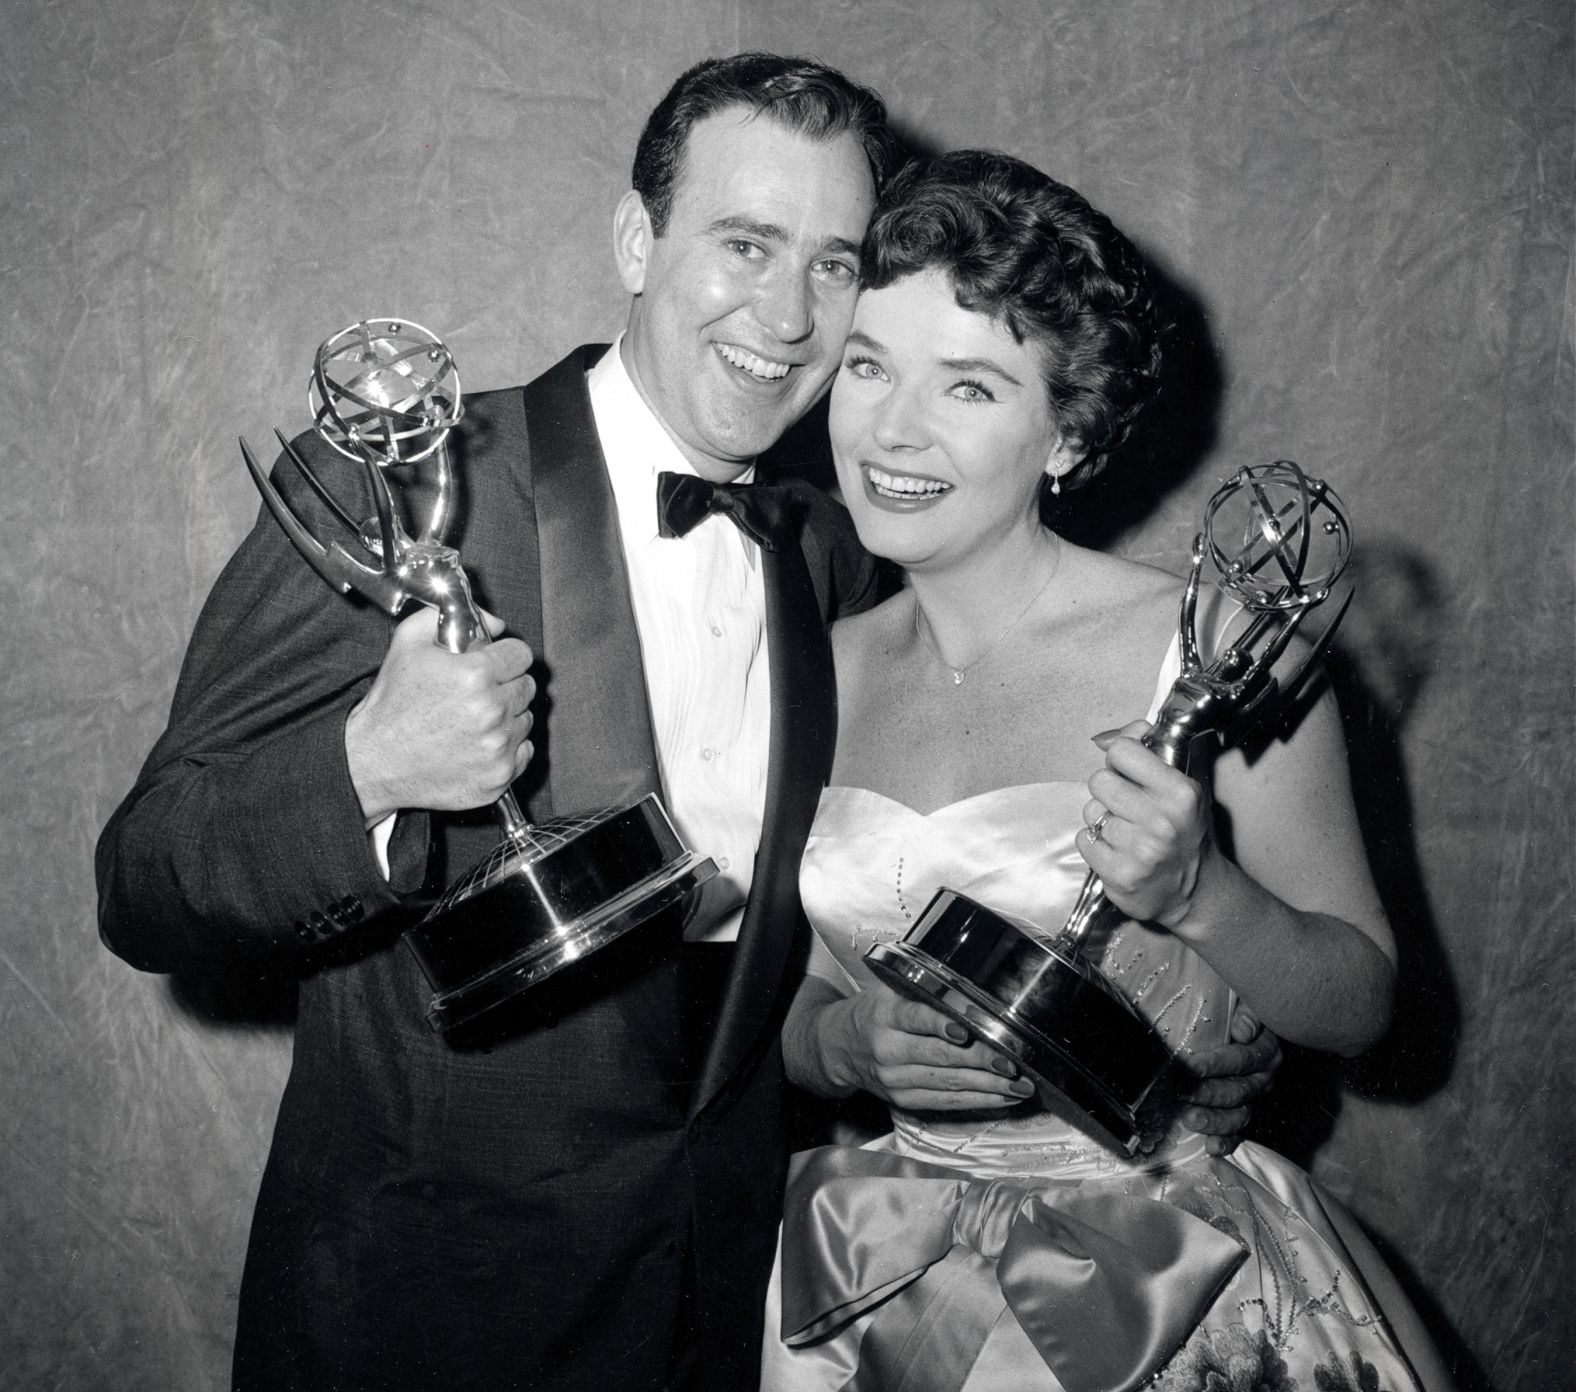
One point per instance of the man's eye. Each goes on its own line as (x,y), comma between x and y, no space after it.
(838,272)
(750,251)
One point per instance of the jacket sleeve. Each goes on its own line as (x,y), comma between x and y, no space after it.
(243,832)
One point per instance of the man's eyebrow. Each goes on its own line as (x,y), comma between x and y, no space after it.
(762,231)
(772,232)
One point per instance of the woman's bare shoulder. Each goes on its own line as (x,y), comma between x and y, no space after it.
(1123,591)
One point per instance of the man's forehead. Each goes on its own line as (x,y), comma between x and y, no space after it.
(740,165)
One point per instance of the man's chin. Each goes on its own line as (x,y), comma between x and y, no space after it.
(739,442)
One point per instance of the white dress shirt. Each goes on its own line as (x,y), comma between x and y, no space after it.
(700,609)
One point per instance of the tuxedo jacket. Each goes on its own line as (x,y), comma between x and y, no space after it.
(522,1208)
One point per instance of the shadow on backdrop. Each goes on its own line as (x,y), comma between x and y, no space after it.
(1377,668)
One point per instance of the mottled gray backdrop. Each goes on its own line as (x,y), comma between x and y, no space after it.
(1364,213)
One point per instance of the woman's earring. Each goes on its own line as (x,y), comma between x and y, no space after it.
(1053,471)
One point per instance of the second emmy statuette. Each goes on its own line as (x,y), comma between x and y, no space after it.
(1278,540)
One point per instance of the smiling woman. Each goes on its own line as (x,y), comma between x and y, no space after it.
(937,402)
(1003,343)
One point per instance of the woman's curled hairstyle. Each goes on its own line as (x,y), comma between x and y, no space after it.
(1032,254)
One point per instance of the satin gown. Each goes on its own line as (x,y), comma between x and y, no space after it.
(1011,1251)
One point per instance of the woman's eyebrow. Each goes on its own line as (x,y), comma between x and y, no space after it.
(980,365)
(858,338)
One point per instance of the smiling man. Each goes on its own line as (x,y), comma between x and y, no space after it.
(590,1201)
(744,282)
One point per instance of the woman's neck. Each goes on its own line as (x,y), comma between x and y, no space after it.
(966,608)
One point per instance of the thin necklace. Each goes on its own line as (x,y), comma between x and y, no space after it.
(958,673)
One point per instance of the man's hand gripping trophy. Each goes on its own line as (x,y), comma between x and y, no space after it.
(385,393)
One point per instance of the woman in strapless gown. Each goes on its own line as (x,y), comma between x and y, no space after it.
(1003,344)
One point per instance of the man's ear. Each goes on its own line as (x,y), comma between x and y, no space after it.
(632,238)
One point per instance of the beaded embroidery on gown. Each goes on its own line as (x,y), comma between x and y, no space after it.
(1267,1285)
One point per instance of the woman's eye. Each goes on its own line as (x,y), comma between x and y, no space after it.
(972,391)
(865,368)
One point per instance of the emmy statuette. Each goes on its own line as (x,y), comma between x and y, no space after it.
(1277,541)
(385,393)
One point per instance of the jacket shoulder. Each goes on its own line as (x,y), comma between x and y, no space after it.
(498,416)
(847,578)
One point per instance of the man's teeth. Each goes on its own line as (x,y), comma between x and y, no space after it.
(905,485)
(757,367)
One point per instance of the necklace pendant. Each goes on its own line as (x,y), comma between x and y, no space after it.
(957,677)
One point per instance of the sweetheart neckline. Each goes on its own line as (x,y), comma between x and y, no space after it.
(958,802)
(1169,666)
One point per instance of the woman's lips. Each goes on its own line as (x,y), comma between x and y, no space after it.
(900,489)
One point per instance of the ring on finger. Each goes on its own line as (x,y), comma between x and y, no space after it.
(1097,831)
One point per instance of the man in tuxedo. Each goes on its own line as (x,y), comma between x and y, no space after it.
(586,1199)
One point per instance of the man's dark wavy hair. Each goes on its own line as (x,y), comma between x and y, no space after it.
(800,93)
(1033,255)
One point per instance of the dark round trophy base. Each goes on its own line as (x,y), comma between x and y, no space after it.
(1050,1012)
(546,898)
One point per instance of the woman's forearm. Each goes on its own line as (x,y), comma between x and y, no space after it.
(809,1052)
(1313,978)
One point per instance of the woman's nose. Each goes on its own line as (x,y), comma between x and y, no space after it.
(900,422)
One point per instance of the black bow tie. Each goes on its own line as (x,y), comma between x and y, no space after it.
(767,513)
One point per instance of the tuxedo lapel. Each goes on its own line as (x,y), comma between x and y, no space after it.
(595,731)
(595,734)
(803,732)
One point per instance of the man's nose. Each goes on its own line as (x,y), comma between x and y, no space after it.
(785,306)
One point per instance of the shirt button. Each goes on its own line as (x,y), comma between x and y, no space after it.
(716,632)
(706,755)
(723,862)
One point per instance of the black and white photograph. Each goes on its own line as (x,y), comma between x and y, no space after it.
(819,698)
